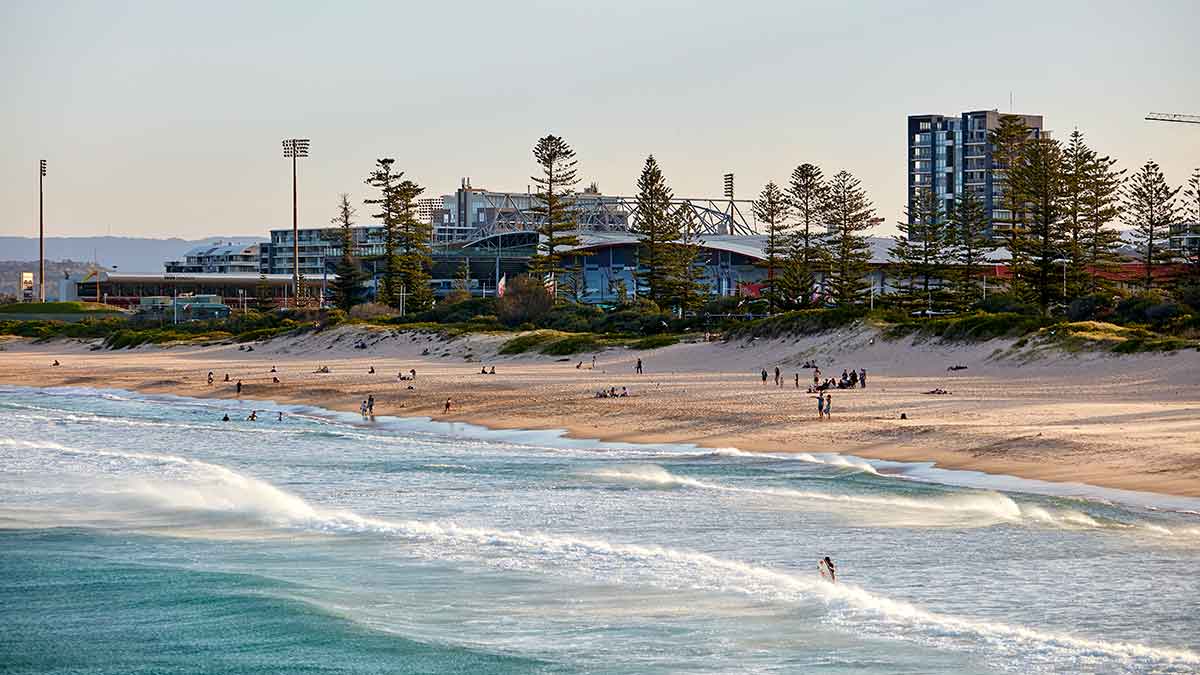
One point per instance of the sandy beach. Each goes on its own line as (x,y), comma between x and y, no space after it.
(1130,422)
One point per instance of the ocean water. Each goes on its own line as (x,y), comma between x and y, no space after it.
(143,535)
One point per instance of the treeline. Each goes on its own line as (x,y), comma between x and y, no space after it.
(1057,210)
(1060,205)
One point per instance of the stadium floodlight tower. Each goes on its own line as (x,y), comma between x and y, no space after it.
(295,148)
(41,235)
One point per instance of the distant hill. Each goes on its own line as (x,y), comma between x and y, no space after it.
(129,254)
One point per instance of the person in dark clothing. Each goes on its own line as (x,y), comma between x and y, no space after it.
(778,379)
(239,387)
(638,368)
(764,375)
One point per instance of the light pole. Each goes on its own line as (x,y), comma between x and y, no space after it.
(295,148)
(41,235)
(1064,262)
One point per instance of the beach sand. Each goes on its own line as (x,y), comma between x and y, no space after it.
(1130,422)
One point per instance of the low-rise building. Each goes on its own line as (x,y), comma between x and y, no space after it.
(217,259)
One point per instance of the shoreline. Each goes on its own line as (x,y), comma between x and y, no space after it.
(1000,421)
(922,470)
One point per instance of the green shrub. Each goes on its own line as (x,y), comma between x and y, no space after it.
(573,344)
(799,322)
(655,341)
(523,343)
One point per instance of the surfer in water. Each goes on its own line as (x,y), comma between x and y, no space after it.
(827,569)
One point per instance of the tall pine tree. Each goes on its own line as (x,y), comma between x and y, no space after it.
(772,210)
(1007,141)
(415,254)
(1079,162)
(807,195)
(1036,181)
(848,215)
(1102,207)
(385,181)
(920,254)
(970,246)
(658,227)
(348,286)
(554,205)
(1150,208)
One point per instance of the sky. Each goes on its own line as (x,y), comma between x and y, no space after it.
(162,118)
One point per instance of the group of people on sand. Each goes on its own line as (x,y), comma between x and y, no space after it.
(483,370)
(612,392)
(850,379)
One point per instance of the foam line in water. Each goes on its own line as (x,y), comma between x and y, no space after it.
(985,508)
(225,489)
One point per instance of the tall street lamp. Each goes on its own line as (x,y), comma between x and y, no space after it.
(41,235)
(295,148)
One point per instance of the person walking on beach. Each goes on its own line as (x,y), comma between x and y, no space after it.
(447,410)
(239,387)
(797,380)
(820,405)
(370,404)
(862,377)
(638,368)
(593,361)
(828,404)
(778,380)
(362,408)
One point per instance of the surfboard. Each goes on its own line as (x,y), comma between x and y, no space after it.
(826,573)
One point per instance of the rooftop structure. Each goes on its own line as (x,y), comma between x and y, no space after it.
(217,259)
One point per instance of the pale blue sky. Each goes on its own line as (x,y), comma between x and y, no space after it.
(164,118)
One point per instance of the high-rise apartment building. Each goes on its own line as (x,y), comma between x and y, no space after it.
(952,155)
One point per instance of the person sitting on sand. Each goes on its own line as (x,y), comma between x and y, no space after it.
(210,378)
(272,369)
(371,370)
(412,373)
(483,370)
(274,379)
(624,392)
(578,365)
(56,363)
(253,416)
(226,377)
(492,371)
(853,378)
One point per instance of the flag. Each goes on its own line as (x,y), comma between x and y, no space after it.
(500,285)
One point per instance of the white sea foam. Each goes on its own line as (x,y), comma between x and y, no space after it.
(952,509)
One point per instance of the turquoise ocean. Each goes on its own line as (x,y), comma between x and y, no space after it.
(141,534)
